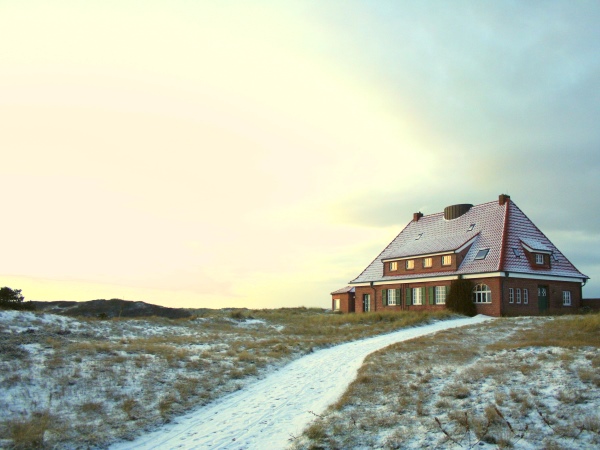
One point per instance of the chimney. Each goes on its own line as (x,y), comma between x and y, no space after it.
(417,216)
(503,198)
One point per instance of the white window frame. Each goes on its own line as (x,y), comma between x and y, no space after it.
(391,297)
(566,298)
(440,295)
(482,294)
(525,296)
(539,259)
(417,298)
(336,304)
(511,295)
(393,265)
(518,296)
(447,260)
(410,264)
(427,262)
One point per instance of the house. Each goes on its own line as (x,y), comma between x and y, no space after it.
(514,268)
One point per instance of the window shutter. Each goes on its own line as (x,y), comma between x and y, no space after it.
(398,297)
(384,297)
(408,296)
(431,295)
(423,299)
(447,291)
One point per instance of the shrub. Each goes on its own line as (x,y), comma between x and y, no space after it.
(13,299)
(460,298)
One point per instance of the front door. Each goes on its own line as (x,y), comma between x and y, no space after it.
(366,302)
(542,298)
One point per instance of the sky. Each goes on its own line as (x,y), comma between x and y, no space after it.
(261,154)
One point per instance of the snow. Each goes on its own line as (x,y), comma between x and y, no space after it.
(268,413)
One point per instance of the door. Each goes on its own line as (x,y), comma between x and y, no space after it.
(542,298)
(366,302)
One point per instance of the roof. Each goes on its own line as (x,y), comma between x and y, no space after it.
(344,290)
(491,225)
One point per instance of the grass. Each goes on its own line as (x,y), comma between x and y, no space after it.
(485,383)
(119,376)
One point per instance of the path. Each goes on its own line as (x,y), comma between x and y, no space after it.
(265,414)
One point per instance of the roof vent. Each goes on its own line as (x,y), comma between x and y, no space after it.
(455,211)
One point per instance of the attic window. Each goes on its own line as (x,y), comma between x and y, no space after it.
(516,252)
(481,254)
(471,227)
(554,257)
(419,236)
(539,258)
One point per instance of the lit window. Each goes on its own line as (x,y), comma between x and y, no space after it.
(539,258)
(417,296)
(427,262)
(511,295)
(481,254)
(525,296)
(440,295)
(446,260)
(410,264)
(394,265)
(566,298)
(482,294)
(336,304)
(519,296)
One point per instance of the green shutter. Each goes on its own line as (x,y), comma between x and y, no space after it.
(447,290)
(384,297)
(408,296)
(431,294)
(398,297)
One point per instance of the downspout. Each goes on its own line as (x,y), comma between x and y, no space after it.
(374,296)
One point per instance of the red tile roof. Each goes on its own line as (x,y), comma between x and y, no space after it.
(492,226)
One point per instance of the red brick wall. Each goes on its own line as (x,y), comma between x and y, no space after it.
(591,303)
(555,297)
(346,302)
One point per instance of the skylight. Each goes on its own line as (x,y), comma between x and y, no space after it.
(419,236)
(516,252)
(471,227)
(481,254)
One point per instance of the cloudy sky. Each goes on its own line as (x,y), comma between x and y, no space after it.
(261,154)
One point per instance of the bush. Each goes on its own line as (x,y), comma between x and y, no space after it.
(13,299)
(460,298)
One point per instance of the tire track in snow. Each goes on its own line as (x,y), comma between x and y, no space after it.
(265,414)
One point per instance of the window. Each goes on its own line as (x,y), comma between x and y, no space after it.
(539,258)
(482,294)
(392,297)
(566,298)
(446,260)
(440,295)
(394,265)
(417,296)
(336,304)
(427,262)
(366,302)
(554,257)
(410,264)
(471,227)
(511,295)
(525,296)
(519,296)
(481,254)
(419,236)
(516,252)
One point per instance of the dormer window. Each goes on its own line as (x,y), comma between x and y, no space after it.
(539,258)
(446,260)
(410,264)
(427,262)
(394,265)
(481,254)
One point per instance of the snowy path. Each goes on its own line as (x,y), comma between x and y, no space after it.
(264,415)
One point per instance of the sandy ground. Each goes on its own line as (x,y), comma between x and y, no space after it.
(267,414)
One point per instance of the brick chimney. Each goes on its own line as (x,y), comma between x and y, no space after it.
(503,198)
(417,216)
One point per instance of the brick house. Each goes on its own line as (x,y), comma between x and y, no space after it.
(514,267)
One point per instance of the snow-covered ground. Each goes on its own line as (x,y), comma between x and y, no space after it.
(268,413)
